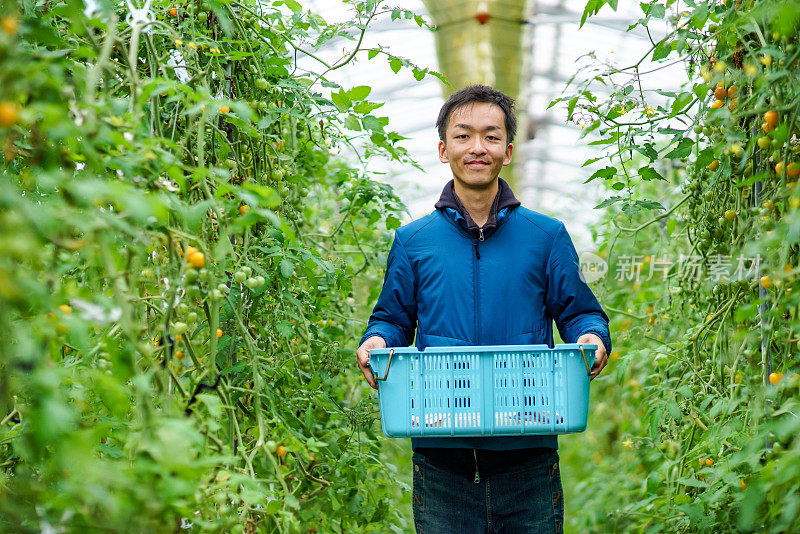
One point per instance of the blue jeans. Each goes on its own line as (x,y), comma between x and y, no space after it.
(479,491)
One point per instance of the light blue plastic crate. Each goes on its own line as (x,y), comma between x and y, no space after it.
(502,390)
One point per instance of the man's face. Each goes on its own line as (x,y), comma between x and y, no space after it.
(476,144)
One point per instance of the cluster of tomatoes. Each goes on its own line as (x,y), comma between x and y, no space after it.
(721,94)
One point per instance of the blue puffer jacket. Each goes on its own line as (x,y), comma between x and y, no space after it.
(503,284)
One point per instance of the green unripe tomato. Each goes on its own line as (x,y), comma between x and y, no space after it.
(191,318)
(216,295)
(202,17)
(698,128)
(271,446)
(179,328)
(193,292)
(223,287)
(262,84)
(191,276)
(182,308)
(252,283)
(239,276)
(247,270)
(261,280)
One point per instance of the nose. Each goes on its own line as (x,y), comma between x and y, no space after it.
(476,147)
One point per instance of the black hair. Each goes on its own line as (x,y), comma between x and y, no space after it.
(478,93)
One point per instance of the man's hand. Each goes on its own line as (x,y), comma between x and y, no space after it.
(600,354)
(362,357)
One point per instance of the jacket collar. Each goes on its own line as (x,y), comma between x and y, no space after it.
(504,199)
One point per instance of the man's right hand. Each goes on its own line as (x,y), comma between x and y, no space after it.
(362,357)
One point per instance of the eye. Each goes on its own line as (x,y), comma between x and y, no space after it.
(460,136)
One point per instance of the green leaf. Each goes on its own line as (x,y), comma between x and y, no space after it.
(705,157)
(212,403)
(366,107)
(110,450)
(395,64)
(701,90)
(359,93)
(693,482)
(372,53)
(661,50)
(650,205)
(285,328)
(294,6)
(647,150)
(683,100)
(352,123)
(392,222)
(341,100)
(291,501)
(571,106)
(608,202)
(605,173)
(274,506)
(223,248)
(683,149)
(657,11)
(286,267)
(592,7)
(590,161)
(267,195)
(649,173)
(674,411)
(372,123)
(222,17)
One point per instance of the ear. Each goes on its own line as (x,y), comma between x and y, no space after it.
(443,152)
(509,151)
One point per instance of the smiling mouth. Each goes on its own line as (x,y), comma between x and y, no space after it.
(477,163)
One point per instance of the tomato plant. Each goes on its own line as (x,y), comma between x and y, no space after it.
(177,269)
(700,233)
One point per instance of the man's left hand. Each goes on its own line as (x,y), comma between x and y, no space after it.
(600,354)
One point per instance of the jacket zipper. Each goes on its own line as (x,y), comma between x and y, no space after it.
(477,475)
(477,285)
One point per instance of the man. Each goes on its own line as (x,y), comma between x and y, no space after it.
(483,270)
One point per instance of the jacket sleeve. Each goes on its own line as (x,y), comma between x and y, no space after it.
(569,300)
(394,317)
